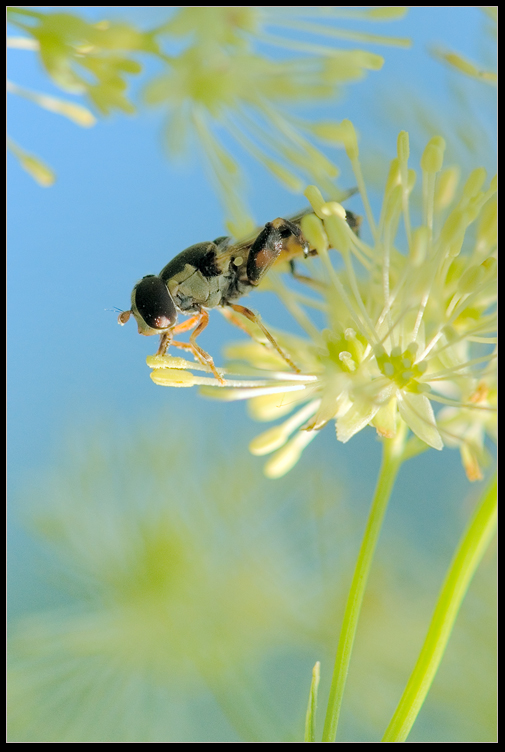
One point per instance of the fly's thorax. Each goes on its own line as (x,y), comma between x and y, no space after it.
(202,276)
(190,289)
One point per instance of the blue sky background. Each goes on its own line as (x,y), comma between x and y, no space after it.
(120,210)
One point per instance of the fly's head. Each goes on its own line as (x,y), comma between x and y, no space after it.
(152,307)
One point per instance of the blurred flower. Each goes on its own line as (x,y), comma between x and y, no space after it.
(81,58)
(216,79)
(38,169)
(169,588)
(75,112)
(85,58)
(409,330)
(466,116)
(467,67)
(467,427)
(192,596)
(222,82)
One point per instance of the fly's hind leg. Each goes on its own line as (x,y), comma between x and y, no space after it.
(305,279)
(256,320)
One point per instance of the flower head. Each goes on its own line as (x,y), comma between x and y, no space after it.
(216,79)
(222,85)
(406,329)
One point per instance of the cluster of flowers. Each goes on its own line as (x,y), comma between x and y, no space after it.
(404,331)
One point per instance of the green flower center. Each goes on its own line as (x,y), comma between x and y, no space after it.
(345,349)
(401,368)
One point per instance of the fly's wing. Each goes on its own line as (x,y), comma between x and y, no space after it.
(293,244)
(229,252)
(234,251)
(279,240)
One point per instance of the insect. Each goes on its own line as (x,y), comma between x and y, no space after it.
(212,274)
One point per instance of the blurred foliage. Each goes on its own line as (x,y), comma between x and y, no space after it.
(197,597)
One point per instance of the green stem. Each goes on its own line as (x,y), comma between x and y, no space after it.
(391,461)
(466,559)
(310,718)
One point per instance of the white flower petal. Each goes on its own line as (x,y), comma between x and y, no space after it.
(277,436)
(417,412)
(287,457)
(385,419)
(356,418)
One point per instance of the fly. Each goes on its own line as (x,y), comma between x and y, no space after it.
(212,274)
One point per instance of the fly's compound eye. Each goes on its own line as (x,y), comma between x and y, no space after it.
(153,306)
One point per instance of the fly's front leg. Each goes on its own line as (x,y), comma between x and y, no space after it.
(185,326)
(200,320)
(256,320)
(201,355)
(166,339)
